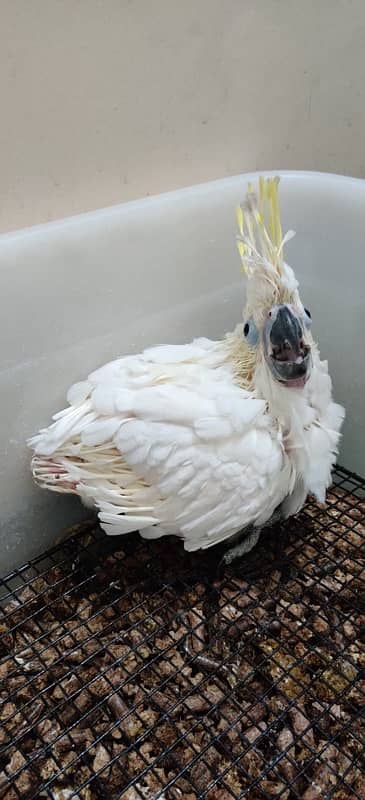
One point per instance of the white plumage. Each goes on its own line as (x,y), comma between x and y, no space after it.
(201,440)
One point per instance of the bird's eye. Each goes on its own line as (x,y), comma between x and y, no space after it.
(307,317)
(250,332)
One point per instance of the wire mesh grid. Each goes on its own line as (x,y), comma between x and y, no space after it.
(135,670)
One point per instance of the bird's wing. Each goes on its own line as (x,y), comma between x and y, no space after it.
(216,474)
(198,455)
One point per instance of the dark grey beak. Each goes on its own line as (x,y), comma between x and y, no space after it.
(289,357)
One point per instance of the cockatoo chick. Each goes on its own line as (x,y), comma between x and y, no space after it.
(208,439)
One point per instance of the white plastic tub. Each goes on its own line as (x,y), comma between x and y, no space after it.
(84,290)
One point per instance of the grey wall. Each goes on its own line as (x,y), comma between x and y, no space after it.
(102,102)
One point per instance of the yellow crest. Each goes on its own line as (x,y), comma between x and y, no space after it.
(260,241)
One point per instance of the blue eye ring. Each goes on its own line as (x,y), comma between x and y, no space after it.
(250,332)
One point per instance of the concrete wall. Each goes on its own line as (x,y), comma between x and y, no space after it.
(107,100)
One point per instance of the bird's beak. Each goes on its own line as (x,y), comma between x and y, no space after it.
(288,356)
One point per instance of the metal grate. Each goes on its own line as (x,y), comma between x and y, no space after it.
(134,670)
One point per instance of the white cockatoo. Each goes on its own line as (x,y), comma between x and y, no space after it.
(208,439)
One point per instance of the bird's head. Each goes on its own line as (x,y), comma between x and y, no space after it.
(276,325)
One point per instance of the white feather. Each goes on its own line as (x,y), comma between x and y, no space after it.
(78,393)
(100,431)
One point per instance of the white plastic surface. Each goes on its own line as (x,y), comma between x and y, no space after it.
(84,290)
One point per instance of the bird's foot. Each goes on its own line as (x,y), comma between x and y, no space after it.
(242,547)
(249,540)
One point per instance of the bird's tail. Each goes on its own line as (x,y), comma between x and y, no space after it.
(53,474)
